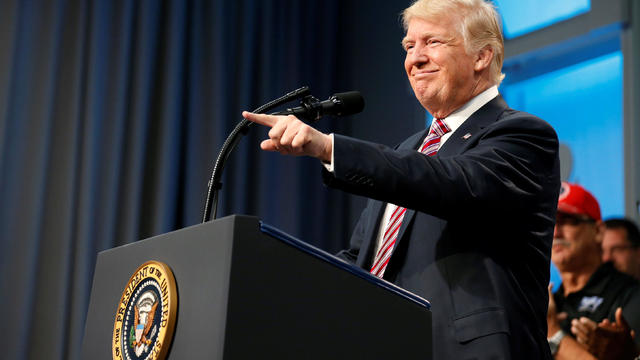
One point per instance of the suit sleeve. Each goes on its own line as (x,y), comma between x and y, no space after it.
(504,169)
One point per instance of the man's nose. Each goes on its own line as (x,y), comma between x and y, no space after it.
(606,255)
(418,55)
(557,231)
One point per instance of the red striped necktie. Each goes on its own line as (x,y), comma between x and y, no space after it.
(429,147)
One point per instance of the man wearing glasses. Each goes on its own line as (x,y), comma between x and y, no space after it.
(621,245)
(591,290)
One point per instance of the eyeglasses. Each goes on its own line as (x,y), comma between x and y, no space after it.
(572,220)
(619,248)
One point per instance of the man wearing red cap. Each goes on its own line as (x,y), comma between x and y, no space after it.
(591,291)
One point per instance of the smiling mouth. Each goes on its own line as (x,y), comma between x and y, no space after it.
(424,73)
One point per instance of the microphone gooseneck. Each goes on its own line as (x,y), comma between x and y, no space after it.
(311,109)
(211,203)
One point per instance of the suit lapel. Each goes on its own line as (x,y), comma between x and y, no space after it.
(409,213)
(473,126)
(365,258)
(458,141)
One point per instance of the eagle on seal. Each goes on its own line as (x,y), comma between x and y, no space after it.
(142,329)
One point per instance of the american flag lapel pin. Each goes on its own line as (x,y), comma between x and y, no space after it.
(466,136)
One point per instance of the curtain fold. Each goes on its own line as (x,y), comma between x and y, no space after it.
(111,115)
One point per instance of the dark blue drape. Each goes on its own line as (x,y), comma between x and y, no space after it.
(112,113)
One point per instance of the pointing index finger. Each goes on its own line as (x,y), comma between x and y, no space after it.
(262,119)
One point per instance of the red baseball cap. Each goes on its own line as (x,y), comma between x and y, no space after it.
(575,200)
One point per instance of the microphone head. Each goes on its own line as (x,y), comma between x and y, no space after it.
(347,103)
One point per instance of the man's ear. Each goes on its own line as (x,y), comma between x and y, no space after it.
(483,58)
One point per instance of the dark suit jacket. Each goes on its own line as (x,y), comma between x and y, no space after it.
(476,238)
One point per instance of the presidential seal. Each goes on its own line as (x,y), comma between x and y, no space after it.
(146,314)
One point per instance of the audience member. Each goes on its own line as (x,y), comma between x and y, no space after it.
(591,291)
(621,245)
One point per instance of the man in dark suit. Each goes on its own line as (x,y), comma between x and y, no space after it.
(462,214)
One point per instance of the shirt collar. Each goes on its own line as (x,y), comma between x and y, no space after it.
(596,283)
(456,118)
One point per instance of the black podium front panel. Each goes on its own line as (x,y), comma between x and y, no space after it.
(247,290)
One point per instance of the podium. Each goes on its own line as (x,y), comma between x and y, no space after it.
(247,290)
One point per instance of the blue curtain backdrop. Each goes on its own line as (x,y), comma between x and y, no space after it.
(113,111)
(111,114)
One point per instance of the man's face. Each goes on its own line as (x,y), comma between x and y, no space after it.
(616,248)
(576,242)
(440,70)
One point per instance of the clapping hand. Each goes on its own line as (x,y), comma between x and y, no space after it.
(607,340)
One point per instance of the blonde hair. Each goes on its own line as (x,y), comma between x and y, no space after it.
(479,26)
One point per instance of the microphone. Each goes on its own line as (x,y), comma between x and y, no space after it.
(341,104)
(211,204)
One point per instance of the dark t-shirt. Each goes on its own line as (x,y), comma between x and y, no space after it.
(606,290)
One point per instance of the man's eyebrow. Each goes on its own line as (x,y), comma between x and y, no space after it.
(405,41)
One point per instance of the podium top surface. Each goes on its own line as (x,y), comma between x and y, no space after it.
(342,264)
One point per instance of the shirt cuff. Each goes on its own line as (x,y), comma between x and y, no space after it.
(329,166)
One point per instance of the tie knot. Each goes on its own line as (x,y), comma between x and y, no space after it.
(439,127)
(431,143)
